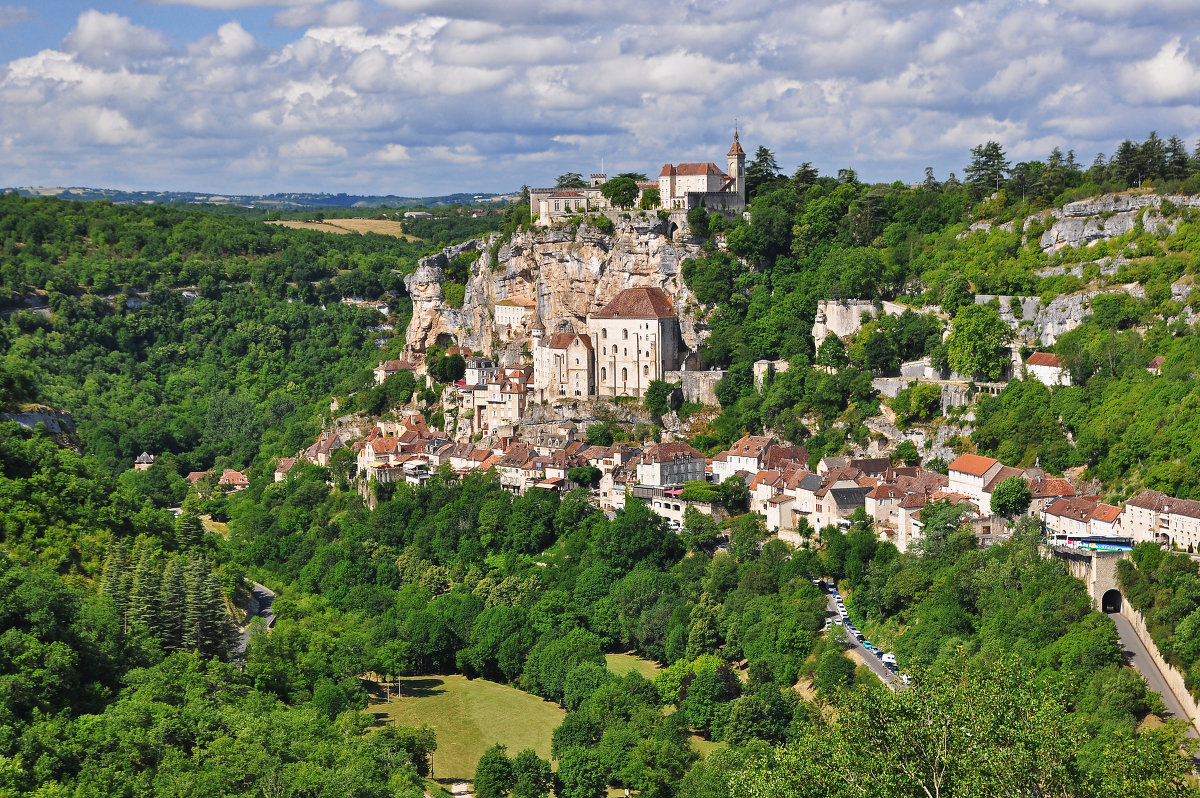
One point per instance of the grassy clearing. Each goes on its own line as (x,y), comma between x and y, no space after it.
(216,527)
(470,716)
(343,226)
(622,664)
(705,747)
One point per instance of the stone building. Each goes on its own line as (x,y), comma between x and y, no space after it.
(514,312)
(563,365)
(680,187)
(689,185)
(636,340)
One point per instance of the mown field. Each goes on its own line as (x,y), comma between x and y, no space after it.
(343,226)
(470,716)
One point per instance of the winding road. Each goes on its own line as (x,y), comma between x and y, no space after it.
(259,606)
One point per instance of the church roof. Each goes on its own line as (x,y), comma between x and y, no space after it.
(564,340)
(691,169)
(736,149)
(638,303)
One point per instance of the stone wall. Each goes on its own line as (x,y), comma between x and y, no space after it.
(1170,674)
(698,386)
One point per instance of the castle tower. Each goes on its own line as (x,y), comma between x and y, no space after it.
(737,166)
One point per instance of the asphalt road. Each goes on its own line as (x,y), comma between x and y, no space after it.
(886,676)
(1139,658)
(259,606)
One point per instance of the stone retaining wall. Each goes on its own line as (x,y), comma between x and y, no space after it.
(1170,674)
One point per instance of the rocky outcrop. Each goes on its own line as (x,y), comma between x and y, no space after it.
(1102,218)
(567,274)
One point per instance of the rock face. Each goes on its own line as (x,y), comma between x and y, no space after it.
(568,276)
(1111,215)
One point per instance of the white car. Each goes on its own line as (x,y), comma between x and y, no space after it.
(888,659)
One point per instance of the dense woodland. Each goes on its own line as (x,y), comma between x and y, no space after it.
(117,660)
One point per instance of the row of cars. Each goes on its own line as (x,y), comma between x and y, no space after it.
(843,619)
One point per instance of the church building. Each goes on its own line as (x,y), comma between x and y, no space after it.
(636,338)
(629,342)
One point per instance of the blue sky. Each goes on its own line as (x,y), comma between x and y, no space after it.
(419,97)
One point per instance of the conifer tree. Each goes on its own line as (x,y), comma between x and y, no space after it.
(113,578)
(193,582)
(188,529)
(173,604)
(145,591)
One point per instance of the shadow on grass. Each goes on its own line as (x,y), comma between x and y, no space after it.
(421,688)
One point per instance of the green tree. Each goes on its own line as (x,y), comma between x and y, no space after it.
(570,180)
(580,774)
(700,531)
(658,397)
(978,342)
(761,170)
(622,192)
(651,199)
(599,435)
(987,169)
(906,452)
(879,353)
(531,774)
(1011,497)
(697,219)
(494,777)
(832,352)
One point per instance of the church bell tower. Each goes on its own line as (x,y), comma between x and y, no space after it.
(737,167)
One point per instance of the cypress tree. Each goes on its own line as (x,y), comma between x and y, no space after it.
(145,592)
(112,580)
(193,583)
(173,605)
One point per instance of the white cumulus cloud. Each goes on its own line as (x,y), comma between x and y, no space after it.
(312,147)
(100,36)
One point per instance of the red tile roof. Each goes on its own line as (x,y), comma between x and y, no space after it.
(638,303)
(691,169)
(973,464)
(750,446)
(231,477)
(564,340)
(1106,513)
(665,452)
(1044,359)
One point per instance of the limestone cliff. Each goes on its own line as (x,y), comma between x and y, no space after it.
(1099,218)
(567,275)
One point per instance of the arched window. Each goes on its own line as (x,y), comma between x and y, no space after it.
(603,373)
(624,375)
(604,333)
(645,371)
(626,351)
(624,333)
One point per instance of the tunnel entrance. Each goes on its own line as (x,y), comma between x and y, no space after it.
(1111,601)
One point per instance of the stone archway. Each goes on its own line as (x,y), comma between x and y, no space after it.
(1111,601)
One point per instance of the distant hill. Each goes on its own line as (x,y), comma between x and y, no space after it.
(288,200)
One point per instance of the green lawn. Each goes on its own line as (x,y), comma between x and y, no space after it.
(470,716)
(622,664)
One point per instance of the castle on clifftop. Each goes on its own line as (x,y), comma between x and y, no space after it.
(680,187)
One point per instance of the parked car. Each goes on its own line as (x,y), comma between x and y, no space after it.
(889,659)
